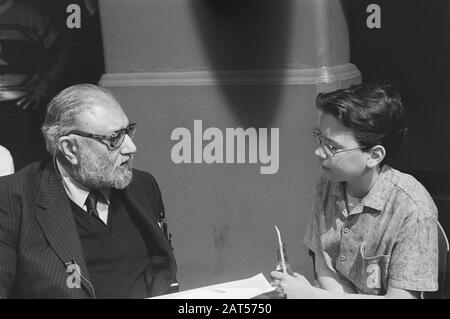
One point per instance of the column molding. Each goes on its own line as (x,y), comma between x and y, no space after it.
(317,76)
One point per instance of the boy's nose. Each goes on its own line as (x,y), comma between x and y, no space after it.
(320,153)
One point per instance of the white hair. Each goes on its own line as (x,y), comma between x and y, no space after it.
(64,109)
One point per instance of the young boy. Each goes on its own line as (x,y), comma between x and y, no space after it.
(373,229)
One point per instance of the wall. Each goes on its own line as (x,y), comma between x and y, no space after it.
(230,64)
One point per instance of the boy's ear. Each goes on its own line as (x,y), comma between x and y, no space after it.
(376,156)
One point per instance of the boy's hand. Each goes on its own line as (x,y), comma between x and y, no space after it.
(296,286)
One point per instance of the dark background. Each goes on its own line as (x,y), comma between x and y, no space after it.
(412,51)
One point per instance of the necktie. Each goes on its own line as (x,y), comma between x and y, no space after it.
(91,202)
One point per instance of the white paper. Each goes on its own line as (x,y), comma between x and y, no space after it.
(239,289)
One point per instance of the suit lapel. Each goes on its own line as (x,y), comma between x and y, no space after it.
(55,217)
(162,267)
(148,216)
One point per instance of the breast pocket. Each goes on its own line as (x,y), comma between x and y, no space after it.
(370,273)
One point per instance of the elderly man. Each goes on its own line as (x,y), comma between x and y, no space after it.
(85,224)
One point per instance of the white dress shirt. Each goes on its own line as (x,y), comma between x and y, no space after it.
(78,194)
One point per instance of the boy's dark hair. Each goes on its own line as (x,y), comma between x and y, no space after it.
(374,112)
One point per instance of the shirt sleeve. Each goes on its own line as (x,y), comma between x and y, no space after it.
(6,162)
(312,236)
(414,259)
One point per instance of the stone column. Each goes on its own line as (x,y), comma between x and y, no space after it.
(229,64)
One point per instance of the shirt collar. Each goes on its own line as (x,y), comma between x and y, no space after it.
(78,193)
(377,197)
(379,193)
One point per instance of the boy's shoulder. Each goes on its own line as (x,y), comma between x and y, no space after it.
(408,191)
(397,190)
(408,184)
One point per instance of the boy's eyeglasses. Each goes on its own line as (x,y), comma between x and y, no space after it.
(333,150)
(114,140)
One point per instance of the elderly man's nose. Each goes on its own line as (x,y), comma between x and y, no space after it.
(128,146)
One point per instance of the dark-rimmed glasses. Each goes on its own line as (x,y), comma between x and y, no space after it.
(326,144)
(114,140)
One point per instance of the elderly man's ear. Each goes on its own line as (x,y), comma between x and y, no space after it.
(69,149)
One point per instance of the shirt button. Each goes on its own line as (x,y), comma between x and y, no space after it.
(342,258)
(346,230)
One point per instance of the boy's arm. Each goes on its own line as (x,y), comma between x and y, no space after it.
(328,279)
(333,287)
(392,293)
(298,287)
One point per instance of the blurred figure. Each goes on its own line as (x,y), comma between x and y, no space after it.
(32,60)
(86,46)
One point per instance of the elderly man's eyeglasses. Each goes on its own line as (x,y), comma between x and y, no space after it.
(114,140)
(328,146)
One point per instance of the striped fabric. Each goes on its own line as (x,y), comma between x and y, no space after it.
(39,241)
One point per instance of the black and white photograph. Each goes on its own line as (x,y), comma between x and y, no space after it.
(224,149)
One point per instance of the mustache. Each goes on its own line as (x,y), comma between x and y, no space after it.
(128,160)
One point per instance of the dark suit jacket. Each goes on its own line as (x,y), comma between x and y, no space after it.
(39,239)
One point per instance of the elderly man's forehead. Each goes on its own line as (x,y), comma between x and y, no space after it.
(103,111)
(100,103)
(100,98)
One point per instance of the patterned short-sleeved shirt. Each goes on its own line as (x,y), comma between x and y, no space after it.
(389,239)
